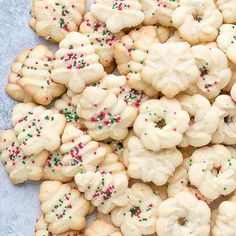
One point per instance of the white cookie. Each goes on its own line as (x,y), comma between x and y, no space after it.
(233,93)
(228,9)
(232,67)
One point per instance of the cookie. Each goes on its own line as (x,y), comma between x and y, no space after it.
(161,123)
(183,215)
(151,166)
(104,217)
(80,153)
(116,146)
(64,207)
(226,41)
(228,10)
(213,171)
(105,114)
(118,14)
(226,132)
(162,68)
(197,21)
(53,19)
(131,52)
(102,40)
(19,167)
(76,63)
(204,122)
(232,67)
(101,228)
(104,189)
(139,215)
(37,128)
(233,93)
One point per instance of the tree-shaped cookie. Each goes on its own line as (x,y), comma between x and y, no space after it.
(80,152)
(64,207)
(138,216)
(104,189)
(30,78)
(76,63)
(53,19)
(118,14)
(105,114)
(131,51)
(102,39)
(19,166)
(37,128)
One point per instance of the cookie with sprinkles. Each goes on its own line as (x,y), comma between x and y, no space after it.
(64,207)
(80,152)
(76,64)
(118,14)
(228,9)
(138,216)
(131,51)
(101,228)
(102,39)
(19,167)
(54,19)
(104,189)
(37,128)
(35,76)
(41,229)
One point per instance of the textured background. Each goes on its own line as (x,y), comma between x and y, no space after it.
(19,207)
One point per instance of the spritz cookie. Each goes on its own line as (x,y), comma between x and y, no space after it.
(105,114)
(101,228)
(213,171)
(64,207)
(37,128)
(228,9)
(131,51)
(151,166)
(139,214)
(162,68)
(226,132)
(102,40)
(118,14)
(197,21)
(53,19)
(233,93)
(227,41)
(19,166)
(204,122)
(76,63)
(104,189)
(80,153)
(232,67)
(183,214)
(161,123)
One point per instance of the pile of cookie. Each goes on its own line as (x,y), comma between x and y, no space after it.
(151,150)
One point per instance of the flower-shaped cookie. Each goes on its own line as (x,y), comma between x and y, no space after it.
(30,79)
(101,228)
(139,215)
(80,152)
(204,120)
(213,171)
(131,52)
(104,189)
(118,14)
(151,166)
(159,11)
(226,132)
(227,41)
(37,128)
(170,68)
(228,9)
(102,40)
(76,63)
(161,123)
(105,114)
(64,207)
(19,166)
(183,215)
(197,21)
(53,19)
(233,93)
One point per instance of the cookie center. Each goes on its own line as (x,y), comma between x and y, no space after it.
(197,16)
(216,170)
(160,123)
(204,71)
(182,221)
(228,119)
